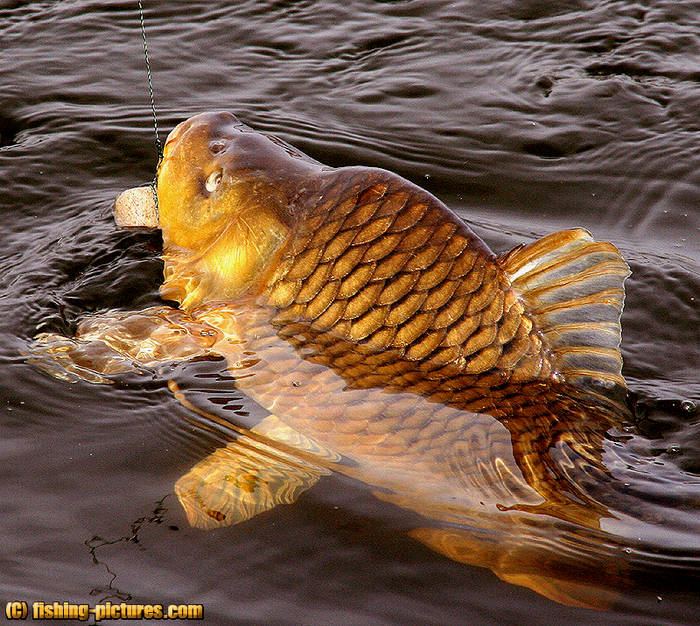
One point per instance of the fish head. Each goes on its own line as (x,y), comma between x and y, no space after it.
(225,202)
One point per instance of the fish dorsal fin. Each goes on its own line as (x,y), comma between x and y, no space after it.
(574,290)
(248,477)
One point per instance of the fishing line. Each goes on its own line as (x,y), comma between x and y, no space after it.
(159,148)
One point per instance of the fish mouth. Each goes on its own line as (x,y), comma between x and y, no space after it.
(226,204)
(138,207)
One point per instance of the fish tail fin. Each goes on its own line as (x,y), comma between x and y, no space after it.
(574,290)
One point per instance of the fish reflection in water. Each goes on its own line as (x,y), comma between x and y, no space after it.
(391,345)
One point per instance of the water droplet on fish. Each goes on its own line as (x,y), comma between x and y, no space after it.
(296,383)
(207,333)
(673,449)
(627,550)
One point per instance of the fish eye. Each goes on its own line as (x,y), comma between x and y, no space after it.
(213,181)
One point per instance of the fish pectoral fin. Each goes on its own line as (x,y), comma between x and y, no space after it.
(118,342)
(574,290)
(241,480)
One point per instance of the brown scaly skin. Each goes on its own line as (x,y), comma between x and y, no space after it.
(367,316)
(369,286)
(376,322)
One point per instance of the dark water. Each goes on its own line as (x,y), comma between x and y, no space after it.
(524,116)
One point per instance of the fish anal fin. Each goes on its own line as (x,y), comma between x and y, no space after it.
(565,592)
(241,480)
(521,565)
(573,288)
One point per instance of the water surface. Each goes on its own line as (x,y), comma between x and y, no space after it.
(525,117)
